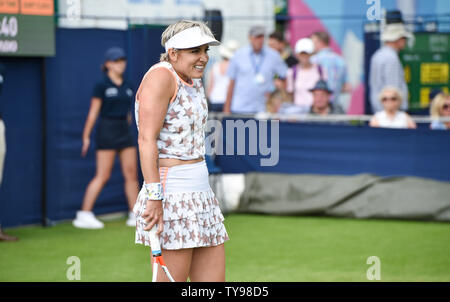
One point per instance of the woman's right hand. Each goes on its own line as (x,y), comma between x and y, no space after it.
(153,214)
(85,147)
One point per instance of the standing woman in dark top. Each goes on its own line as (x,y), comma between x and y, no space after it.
(111,100)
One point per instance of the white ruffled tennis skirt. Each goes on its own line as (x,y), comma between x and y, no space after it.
(192,216)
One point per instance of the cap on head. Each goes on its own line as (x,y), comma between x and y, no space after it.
(114,54)
(394,31)
(304,45)
(321,85)
(257,31)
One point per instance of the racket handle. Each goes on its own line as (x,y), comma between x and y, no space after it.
(155,271)
(154,242)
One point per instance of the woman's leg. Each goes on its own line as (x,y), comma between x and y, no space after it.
(105,163)
(128,162)
(178,262)
(208,264)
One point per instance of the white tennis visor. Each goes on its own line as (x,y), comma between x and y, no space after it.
(189,38)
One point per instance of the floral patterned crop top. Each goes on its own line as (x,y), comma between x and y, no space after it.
(183,133)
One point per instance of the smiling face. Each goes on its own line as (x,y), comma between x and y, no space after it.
(190,63)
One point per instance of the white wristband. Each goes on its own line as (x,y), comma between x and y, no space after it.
(154,190)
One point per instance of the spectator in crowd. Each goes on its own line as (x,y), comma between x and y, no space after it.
(111,100)
(332,64)
(385,66)
(302,77)
(281,102)
(252,71)
(322,104)
(218,79)
(3,236)
(440,107)
(277,42)
(391,116)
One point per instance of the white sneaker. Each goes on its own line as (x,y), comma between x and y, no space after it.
(87,220)
(131,221)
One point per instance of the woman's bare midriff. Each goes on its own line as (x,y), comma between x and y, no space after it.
(170,162)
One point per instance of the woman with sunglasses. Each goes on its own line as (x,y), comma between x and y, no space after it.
(440,107)
(392,116)
(111,105)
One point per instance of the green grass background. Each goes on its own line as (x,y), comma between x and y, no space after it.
(262,248)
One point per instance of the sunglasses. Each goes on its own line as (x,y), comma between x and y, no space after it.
(384,99)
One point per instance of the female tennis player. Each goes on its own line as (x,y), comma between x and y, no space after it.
(111,101)
(171,114)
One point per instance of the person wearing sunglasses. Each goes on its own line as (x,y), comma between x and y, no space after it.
(392,116)
(440,107)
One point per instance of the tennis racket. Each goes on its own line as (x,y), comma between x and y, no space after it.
(157,258)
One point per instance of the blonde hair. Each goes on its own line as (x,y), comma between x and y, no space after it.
(437,103)
(177,27)
(277,97)
(393,89)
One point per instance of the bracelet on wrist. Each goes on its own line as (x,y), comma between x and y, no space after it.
(154,190)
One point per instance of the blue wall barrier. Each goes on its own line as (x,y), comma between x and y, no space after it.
(349,150)
(21,189)
(69,77)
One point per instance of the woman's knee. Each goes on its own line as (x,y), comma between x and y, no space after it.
(130,174)
(102,177)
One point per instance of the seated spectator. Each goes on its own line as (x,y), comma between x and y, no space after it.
(440,107)
(392,116)
(322,100)
(280,102)
(303,76)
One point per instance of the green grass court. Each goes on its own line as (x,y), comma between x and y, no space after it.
(262,248)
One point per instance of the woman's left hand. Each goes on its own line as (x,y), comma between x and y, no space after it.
(85,147)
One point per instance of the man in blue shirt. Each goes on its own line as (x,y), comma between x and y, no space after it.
(332,64)
(252,71)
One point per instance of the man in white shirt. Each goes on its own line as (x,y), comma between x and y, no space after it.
(385,66)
